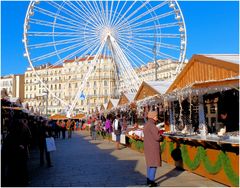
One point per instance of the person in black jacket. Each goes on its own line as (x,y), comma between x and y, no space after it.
(15,150)
(44,132)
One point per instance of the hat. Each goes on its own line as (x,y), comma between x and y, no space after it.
(152,114)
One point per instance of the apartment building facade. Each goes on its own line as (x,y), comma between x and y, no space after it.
(13,85)
(63,82)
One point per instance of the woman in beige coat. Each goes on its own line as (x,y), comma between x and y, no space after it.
(152,147)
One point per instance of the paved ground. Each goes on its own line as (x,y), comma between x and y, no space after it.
(81,162)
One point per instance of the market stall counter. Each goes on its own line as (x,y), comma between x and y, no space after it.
(212,156)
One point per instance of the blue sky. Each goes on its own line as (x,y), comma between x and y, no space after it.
(212,27)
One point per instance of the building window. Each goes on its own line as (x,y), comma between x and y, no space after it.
(76,85)
(105,83)
(59,86)
(95,83)
(95,92)
(105,92)
(69,86)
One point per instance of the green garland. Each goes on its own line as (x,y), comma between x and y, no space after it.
(131,140)
(222,161)
(163,145)
(139,145)
(171,147)
(186,159)
(212,169)
(232,176)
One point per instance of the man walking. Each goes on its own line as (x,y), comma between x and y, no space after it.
(152,147)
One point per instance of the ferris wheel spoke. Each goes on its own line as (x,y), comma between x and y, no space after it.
(125,60)
(91,12)
(103,12)
(139,49)
(83,14)
(99,16)
(120,12)
(164,55)
(48,44)
(87,45)
(51,54)
(51,24)
(60,17)
(119,66)
(106,4)
(123,72)
(114,13)
(50,34)
(110,16)
(78,11)
(146,13)
(45,56)
(125,13)
(168,46)
(88,49)
(123,22)
(131,55)
(65,10)
(135,60)
(146,21)
(159,26)
(154,35)
(164,45)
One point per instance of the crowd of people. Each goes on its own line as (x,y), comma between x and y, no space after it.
(22,133)
(152,136)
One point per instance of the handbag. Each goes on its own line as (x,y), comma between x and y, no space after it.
(50,142)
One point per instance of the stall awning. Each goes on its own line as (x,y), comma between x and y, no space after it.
(58,117)
(78,116)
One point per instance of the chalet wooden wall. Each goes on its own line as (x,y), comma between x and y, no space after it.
(110,105)
(201,68)
(145,91)
(123,100)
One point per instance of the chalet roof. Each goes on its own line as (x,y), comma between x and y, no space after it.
(151,88)
(207,67)
(130,96)
(232,58)
(160,86)
(105,106)
(114,102)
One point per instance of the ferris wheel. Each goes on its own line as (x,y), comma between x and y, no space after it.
(131,33)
